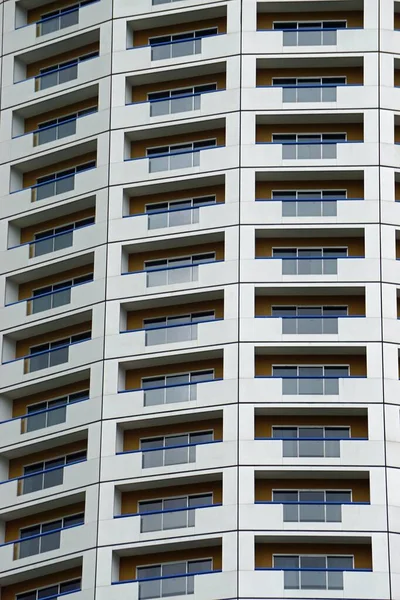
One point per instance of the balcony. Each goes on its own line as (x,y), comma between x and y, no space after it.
(63,478)
(170,337)
(193,457)
(48,545)
(178,162)
(57,416)
(31,30)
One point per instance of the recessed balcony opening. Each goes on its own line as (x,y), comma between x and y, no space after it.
(177,203)
(311,136)
(316,497)
(311,79)
(56,118)
(51,66)
(176,91)
(35,408)
(177,35)
(45,232)
(396,16)
(52,175)
(175,261)
(46,18)
(310,193)
(397,187)
(178,569)
(49,287)
(318,432)
(48,344)
(169,505)
(175,379)
(64,577)
(43,465)
(300,371)
(45,527)
(177,321)
(308,23)
(175,441)
(397,237)
(167,149)
(311,564)
(302,313)
(311,251)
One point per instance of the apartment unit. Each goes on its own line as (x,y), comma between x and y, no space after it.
(200,299)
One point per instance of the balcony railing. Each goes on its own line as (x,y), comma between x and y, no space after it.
(40,480)
(172,275)
(312,512)
(48,300)
(174,217)
(312,207)
(311,447)
(312,36)
(167,585)
(51,243)
(169,334)
(40,419)
(166,456)
(301,325)
(170,394)
(46,358)
(318,385)
(314,579)
(39,543)
(176,48)
(308,150)
(310,93)
(54,187)
(164,520)
(175,104)
(309,265)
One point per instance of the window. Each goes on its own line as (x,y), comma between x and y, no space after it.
(54,353)
(179,44)
(45,536)
(49,473)
(179,328)
(157,581)
(182,269)
(320,572)
(61,127)
(310,33)
(309,89)
(66,587)
(311,442)
(310,379)
(309,319)
(177,156)
(178,100)
(309,506)
(171,513)
(51,412)
(171,450)
(176,212)
(62,72)
(309,261)
(57,238)
(308,146)
(168,389)
(57,294)
(313,203)
(60,182)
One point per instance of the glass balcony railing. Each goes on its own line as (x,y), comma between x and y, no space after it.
(312,447)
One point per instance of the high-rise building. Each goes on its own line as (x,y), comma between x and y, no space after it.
(200,299)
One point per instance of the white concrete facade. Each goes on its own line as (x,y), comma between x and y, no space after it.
(274,235)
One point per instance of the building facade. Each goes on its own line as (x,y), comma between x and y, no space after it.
(200,299)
